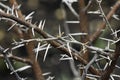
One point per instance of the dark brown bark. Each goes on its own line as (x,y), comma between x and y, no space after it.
(31,55)
(84,26)
(29,46)
(109,69)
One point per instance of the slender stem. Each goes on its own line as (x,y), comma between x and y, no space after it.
(24,60)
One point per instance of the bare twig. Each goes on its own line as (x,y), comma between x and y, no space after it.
(88,65)
(110,68)
(24,60)
(104,16)
(88,5)
(8,62)
(100,29)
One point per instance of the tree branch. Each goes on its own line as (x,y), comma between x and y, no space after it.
(100,29)
(110,68)
(24,60)
(30,46)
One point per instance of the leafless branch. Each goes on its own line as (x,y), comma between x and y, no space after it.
(88,65)
(100,29)
(8,62)
(24,60)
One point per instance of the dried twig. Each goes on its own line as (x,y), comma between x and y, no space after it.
(24,60)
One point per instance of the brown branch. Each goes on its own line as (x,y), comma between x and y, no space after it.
(24,60)
(53,43)
(16,28)
(14,2)
(30,46)
(83,21)
(84,29)
(109,69)
(99,30)
(35,66)
(83,26)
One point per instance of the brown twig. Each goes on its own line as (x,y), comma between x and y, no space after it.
(100,29)
(110,68)
(30,46)
(85,71)
(24,60)
(84,26)
(35,66)
(7,60)
(88,5)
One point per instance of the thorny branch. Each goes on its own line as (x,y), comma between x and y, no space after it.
(46,35)
(16,19)
(101,28)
